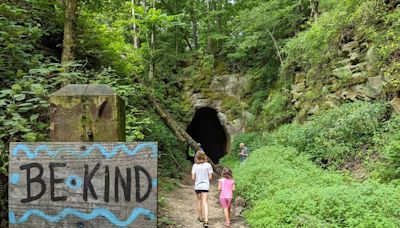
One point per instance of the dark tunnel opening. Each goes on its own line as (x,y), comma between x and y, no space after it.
(206,129)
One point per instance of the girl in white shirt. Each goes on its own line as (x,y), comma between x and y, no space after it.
(202,174)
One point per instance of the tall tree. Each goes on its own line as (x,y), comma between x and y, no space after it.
(152,45)
(135,30)
(70,18)
(195,36)
(209,42)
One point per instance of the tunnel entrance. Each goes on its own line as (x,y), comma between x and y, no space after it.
(206,129)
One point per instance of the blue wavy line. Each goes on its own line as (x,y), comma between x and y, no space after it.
(86,216)
(87,152)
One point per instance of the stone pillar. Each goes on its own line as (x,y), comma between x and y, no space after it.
(88,113)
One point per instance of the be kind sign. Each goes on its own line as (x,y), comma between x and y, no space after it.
(83,185)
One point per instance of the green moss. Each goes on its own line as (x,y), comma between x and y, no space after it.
(233,105)
(312,95)
(67,102)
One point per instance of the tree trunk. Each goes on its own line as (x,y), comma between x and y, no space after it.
(188,42)
(176,33)
(218,20)
(152,49)
(194,30)
(209,43)
(276,46)
(136,42)
(181,134)
(68,55)
(278,53)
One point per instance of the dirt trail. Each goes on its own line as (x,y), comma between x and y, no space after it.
(182,207)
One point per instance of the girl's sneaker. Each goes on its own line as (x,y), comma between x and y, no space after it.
(205,224)
(200,219)
(227,223)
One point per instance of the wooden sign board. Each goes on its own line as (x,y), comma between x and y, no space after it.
(62,184)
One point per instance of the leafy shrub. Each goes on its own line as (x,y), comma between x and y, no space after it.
(276,110)
(258,100)
(281,167)
(357,205)
(387,144)
(332,137)
(286,189)
(391,155)
(306,47)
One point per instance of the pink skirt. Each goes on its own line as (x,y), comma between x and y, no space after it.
(225,202)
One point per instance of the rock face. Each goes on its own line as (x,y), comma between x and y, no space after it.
(231,84)
(225,87)
(395,102)
(240,205)
(351,79)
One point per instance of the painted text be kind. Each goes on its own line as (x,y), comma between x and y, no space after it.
(112,179)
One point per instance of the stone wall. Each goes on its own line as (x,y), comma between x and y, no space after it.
(353,77)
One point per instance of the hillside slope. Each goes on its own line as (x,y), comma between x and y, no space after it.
(325,143)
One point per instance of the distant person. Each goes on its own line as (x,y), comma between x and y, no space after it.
(202,174)
(199,145)
(244,152)
(226,185)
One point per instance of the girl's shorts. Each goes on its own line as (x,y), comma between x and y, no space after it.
(225,202)
(200,191)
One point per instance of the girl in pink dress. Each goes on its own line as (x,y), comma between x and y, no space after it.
(226,186)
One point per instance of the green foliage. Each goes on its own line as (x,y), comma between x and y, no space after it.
(287,190)
(24,112)
(106,45)
(195,41)
(3,200)
(258,101)
(23,68)
(21,30)
(306,47)
(387,142)
(230,160)
(285,169)
(276,109)
(171,151)
(259,30)
(133,95)
(330,138)
(258,88)
(168,184)
(233,105)
(372,22)
(163,220)
(391,155)
(251,43)
(30,35)
(335,136)
(24,107)
(107,36)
